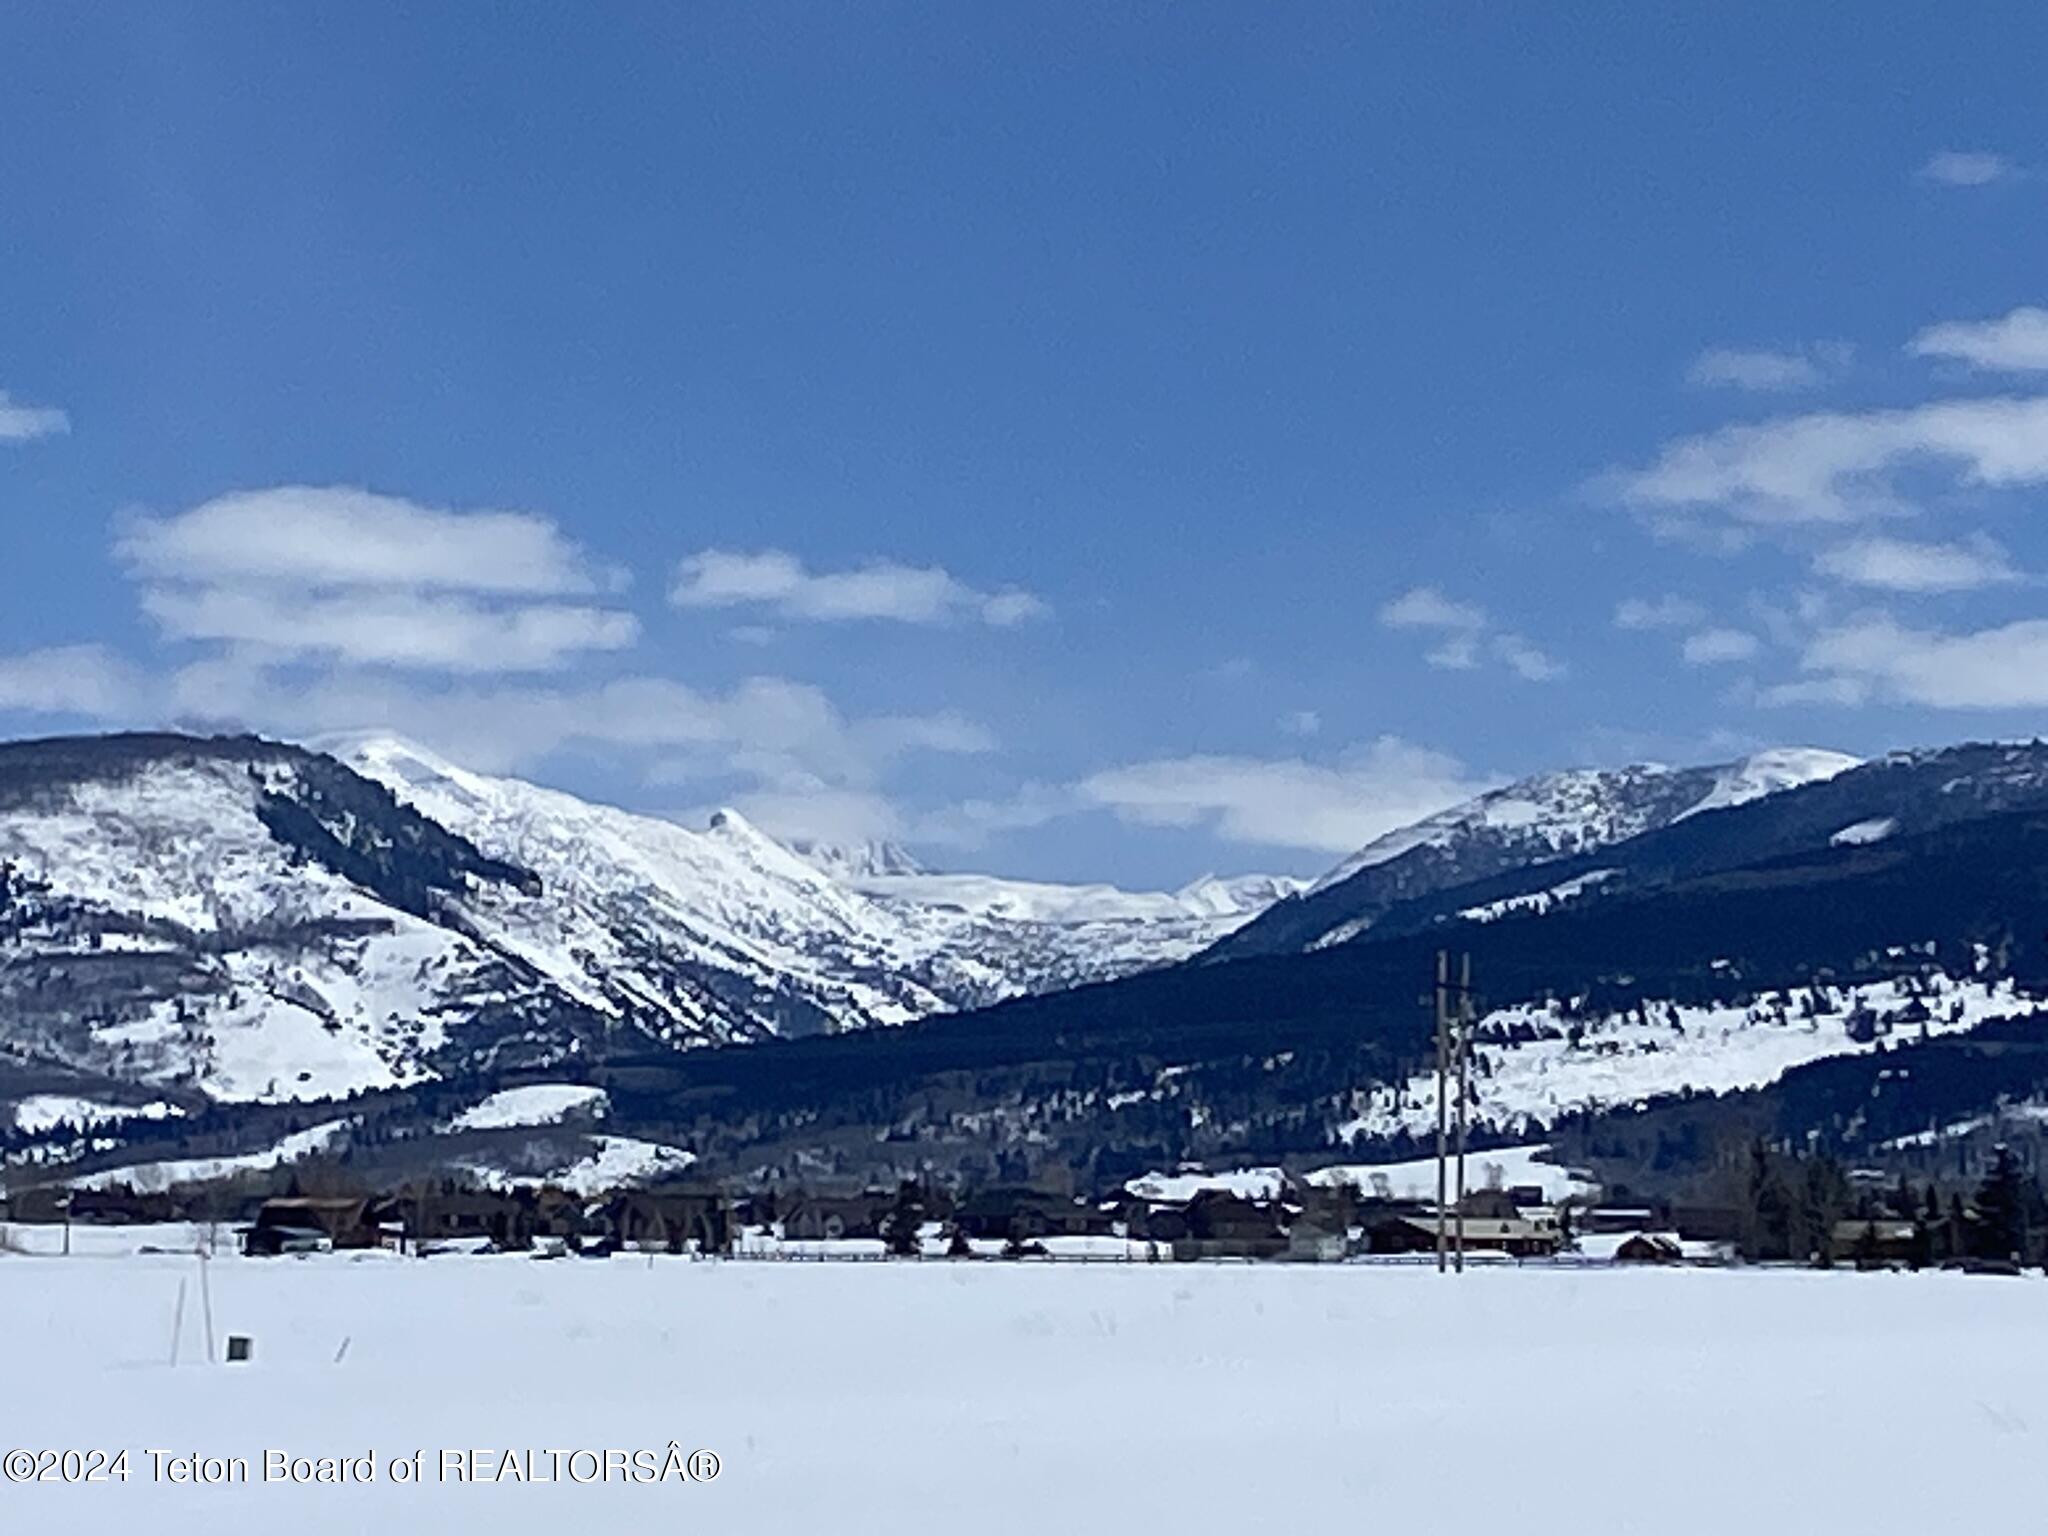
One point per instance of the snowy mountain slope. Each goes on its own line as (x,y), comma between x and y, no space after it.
(247,919)
(1904,795)
(836,938)
(1044,936)
(722,933)
(262,922)
(1534,1062)
(1539,819)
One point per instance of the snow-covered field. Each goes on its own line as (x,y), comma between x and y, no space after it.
(1013,1398)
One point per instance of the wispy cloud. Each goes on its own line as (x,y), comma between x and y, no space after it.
(85,680)
(1837,466)
(1767,370)
(1877,658)
(1901,565)
(884,589)
(1715,647)
(1329,807)
(1967,168)
(1667,612)
(23,423)
(2013,343)
(1302,722)
(1466,636)
(1526,661)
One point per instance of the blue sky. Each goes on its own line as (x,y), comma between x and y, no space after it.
(1080,441)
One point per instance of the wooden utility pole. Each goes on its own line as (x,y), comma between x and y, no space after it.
(1464,1013)
(1443,1026)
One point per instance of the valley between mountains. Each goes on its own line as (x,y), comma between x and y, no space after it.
(228,959)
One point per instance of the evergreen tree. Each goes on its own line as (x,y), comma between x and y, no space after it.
(2006,1204)
(900,1226)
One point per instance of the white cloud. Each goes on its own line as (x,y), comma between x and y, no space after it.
(1901,565)
(1302,722)
(371,580)
(2001,668)
(818,813)
(1465,639)
(2013,343)
(1967,168)
(1835,467)
(318,537)
(86,680)
(1457,653)
(422,631)
(779,750)
(1667,612)
(1330,808)
(21,423)
(1526,661)
(716,578)
(1844,692)
(1427,608)
(1765,370)
(1713,647)
(971,823)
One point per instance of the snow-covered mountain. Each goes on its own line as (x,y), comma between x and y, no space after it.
(1548,816)
(862,934)
(256,921)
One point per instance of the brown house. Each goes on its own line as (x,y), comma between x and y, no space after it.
(1872,1244)
(303,1224)
(1649,1248)
(1516,1235)
(1222,1225)
(827,1218)
(670,1220)
(1023,1214)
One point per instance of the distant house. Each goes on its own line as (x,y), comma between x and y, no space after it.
(1223,1225)
(1022,1214)
(452,1214)
(1707,1223)
(305,1224)
(670,1220)
(1649,1248)
(1313,1241)
(1156,1222)
(827,1218)
(1869,1244)
(1618,1218)
(1516,1235)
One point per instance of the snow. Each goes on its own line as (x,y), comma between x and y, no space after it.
(1496,1167)
(150,1178)
(1581,809)
(1770,773)
(862,935)
(1016,1398)
(1176,1188)
(613,1162)
(40,1112)
(1627,1057)
(1535,902)
(534,1104)
(1863,833)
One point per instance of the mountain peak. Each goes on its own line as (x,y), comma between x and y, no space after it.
(1768,772)
(860,861)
